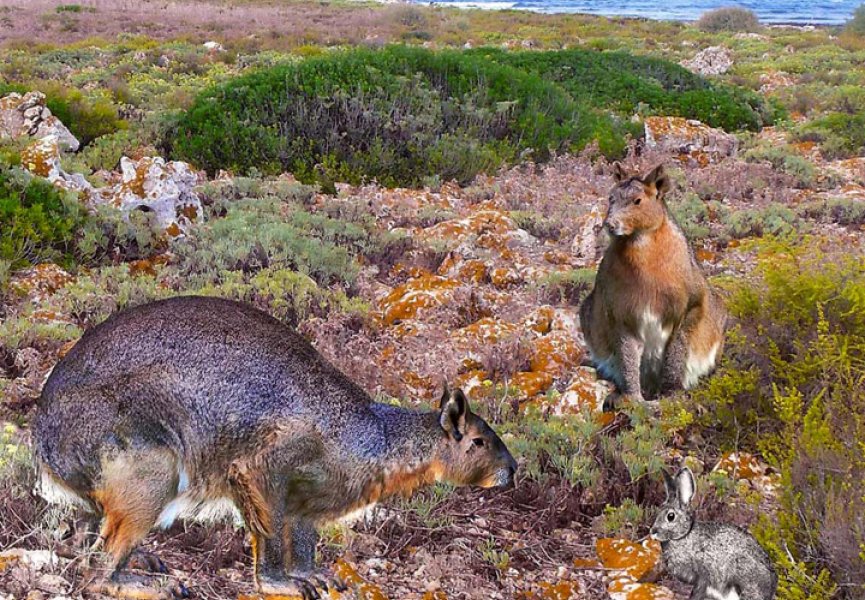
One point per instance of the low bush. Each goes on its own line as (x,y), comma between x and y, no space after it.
(37,221)
(731,18)
(792,385)
(785,160)
(627,84)
(771,220)
(840,134)
(398,115)
(843,211)
(86,117)
(256,234)
(856,25)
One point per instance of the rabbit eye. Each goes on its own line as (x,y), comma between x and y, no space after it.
(636,200)
(479,442)
(671,517)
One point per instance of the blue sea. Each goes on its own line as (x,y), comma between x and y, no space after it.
(800,12)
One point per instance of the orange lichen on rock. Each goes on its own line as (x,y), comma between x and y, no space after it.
(741,465)
(529,384)
(487,330)
(41,157)
(541,319)
(436,595)
(557,257)
(635,560)
(40,281)
(350,576)
(563,590)
(625,588)
(407,299)
(505,277)
(584,392)
(478,223)
(691,140)
(555,354)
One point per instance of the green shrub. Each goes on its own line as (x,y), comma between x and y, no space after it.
(843,211)
(786,160)
(567,287)
(257,233)
(37,221)
(87,118)
(692,215)
(398,115)
(841,135)
(773,219)
(856,25)
(627,84)
(731,18)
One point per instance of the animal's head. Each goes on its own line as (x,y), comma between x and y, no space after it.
(674,520)
(471,453)
(637,203)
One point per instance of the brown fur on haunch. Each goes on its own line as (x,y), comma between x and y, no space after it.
(181,405)
(652,322)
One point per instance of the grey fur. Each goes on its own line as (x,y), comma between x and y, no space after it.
(715,558)
(238,404)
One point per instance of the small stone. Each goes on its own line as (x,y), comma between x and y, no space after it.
(714,60)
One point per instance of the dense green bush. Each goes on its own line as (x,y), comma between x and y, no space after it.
(37,221)
(730,18)
(626,83)
(398,115)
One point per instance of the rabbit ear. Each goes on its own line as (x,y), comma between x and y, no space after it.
(686,486)
(669,485)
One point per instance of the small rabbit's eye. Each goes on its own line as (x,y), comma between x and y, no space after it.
(637,200)
(671,517)
(479,442)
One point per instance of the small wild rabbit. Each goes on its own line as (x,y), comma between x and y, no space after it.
(721,561)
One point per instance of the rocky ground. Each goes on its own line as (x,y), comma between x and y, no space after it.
(494,311)
(485,296)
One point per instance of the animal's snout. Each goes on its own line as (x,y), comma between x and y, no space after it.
(613,225)
(507,473)
(653,533)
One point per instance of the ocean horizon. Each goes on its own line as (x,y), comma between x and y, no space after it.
(795,12)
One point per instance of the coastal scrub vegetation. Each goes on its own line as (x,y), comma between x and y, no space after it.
(778,228)
(399,115)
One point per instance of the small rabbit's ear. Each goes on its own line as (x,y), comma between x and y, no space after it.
(619,173)
(669,485)
(686,486)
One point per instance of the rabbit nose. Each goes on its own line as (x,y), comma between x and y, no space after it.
(653,531)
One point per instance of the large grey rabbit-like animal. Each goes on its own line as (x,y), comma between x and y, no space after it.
(721,561)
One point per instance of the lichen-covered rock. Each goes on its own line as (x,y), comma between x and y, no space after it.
(634,559)
(164,188)
(625,588)
(775,80)
(42,158)
(150,184)
(714,60)
(422,292)
(586,391)
(28,116)
(39,282)
(588,244)
(691,140)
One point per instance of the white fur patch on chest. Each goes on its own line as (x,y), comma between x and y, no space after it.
(699,365)
(716,594)
(654,336)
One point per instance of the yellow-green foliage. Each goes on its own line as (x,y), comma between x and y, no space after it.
(792,385)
